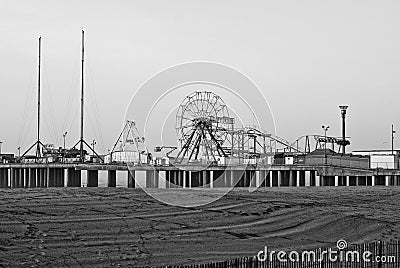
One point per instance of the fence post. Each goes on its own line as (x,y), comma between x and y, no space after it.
(380,253)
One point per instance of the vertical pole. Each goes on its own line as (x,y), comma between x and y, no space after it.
(92,178)
(112,178)
(167,179)
(318,179)
(156,178)
(392,140)
(279,178)
(307,178)
(256,181)
(48,177)
(271,178)
(27,177)
(82,92)
(38,154)
(343,109)
(290,177)
(131,179)
(387,182)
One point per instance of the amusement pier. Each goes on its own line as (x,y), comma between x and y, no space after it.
(211,152)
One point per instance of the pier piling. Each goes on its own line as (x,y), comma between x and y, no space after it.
(131,179)
(92,178)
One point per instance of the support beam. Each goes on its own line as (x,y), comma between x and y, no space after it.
(318,179)
(112,178)
(26,177)
(387,180)
(92,178)
(72,178)
(156,179)
(131,179)
(307,178)
(279,178)
(271,178)
(167,179)
(150,178)
(12,177)
(3,178)
(21,177)
(291,178)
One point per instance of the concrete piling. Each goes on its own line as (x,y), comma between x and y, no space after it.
(152,178)
(92,178)
(131,179)
(33,178)
(74,178)
(53,175)
(112,178)
(3,178)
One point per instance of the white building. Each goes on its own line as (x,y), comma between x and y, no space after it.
(381,158)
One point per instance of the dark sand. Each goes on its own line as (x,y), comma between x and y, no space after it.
(124,227)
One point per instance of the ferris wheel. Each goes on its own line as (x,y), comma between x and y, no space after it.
(202,122)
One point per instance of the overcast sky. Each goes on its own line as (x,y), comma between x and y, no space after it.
(307,57)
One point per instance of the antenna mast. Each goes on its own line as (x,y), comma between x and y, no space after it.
(38,143)
(82,92)
(38,153)
(82,141)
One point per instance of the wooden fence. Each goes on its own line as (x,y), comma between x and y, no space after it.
(380,254)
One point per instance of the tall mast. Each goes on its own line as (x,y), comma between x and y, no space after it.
(82,92)
(38,154)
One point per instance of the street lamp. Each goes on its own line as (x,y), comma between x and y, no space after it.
(394,158)
(325,128)
(93,144)
(0,146)
(343,109)
(393,131)
(19,152)
(64,135)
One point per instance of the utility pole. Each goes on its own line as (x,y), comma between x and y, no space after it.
(325,128)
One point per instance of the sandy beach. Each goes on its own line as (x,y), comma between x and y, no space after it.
(98,227)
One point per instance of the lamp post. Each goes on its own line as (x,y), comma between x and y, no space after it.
(19,152)
(393,131)
(64,136)
(343,109)
(93,144)
(0,146)
(394,158)
(325,128)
